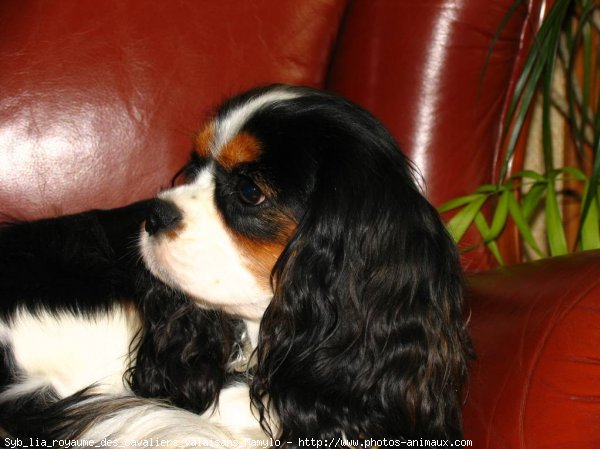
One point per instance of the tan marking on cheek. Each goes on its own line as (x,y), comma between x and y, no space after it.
(204,140)
(262,254)
(243,148)
(174,233)
(171,234)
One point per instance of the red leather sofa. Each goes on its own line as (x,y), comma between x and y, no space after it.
(99,101)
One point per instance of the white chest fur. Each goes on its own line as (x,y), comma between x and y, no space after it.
(69,351)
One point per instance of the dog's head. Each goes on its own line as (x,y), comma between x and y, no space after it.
(299,210)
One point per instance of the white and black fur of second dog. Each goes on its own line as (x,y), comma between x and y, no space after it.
(298,234)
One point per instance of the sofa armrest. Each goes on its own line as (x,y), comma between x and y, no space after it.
(536,380)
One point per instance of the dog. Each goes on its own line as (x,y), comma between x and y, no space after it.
(294,284)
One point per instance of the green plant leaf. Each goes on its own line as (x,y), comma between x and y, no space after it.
(503,22)
(458,202)
(521,115)
(532,199)
(576,173)
(582,33)
(458,225)
(541,57)
(590,228)
(587,68)
(500,216)
(522,224)
(554,227)
(528,174)
(548,75)
(595,170)
(484,230)
(487,188)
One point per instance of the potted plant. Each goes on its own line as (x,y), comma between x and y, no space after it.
(561,75)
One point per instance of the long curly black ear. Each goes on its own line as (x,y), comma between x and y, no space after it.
(365,336)
(183,350)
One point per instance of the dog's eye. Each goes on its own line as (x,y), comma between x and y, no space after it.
(249,192)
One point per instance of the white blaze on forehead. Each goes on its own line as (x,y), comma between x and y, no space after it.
(229,125)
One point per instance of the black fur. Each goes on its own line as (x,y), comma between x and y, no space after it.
(184,351)
(79,262)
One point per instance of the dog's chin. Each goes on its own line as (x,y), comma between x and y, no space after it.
(248,303)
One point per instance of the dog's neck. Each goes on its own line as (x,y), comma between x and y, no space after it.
(246,342)
(252,328)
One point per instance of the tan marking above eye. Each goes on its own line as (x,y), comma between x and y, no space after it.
(204,139)
(243,148)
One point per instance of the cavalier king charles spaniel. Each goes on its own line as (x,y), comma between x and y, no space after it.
(295,283)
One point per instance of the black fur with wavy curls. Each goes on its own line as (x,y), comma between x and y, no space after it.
(183,350)
(365,336)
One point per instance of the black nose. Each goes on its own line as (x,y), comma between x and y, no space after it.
(162,216)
